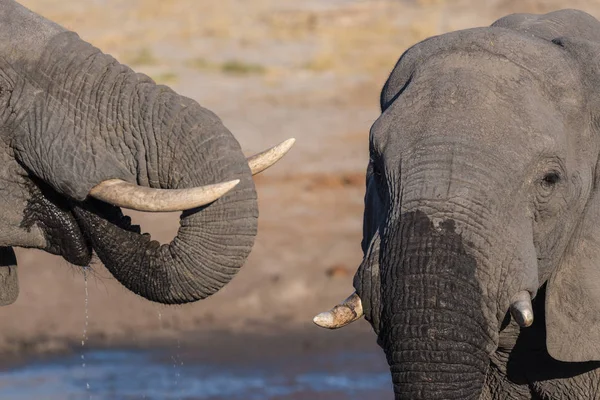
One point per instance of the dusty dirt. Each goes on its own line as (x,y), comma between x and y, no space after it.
(271,69)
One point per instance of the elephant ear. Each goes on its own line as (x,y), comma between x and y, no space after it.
(9,283)
(366,280)
(573,294)
(573,290)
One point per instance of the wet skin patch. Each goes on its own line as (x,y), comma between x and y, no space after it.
(52,213)
(432,328)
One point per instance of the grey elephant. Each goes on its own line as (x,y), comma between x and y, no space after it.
(481,239)
(82,135)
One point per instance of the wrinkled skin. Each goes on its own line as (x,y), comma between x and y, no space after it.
(484,182)
(72,117)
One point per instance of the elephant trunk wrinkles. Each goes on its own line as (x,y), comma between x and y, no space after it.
(114,123)
(437,340)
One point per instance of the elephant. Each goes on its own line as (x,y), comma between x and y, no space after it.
(82,135)
(481,230)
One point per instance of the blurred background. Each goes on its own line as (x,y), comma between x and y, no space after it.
(270,69)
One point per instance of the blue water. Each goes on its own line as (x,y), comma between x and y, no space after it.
(119,374)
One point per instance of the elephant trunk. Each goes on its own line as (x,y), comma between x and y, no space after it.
(437,339)
(101,121)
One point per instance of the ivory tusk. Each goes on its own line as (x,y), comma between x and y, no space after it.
(261,161)
(127,195)
(521,309)
(341,315)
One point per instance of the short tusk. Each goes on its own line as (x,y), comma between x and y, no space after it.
(127,195)
(261,161)
(521,309)
(341,315)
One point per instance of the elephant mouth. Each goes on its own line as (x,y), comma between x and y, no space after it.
(57,217)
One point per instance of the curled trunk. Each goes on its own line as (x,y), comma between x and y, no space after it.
(435,336)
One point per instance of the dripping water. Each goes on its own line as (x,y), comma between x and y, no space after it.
(85,328)
(176,358)
(177,362)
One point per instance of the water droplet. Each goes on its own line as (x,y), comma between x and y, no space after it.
(85,328)
(177,362)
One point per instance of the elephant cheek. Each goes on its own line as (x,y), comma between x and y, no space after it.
(9,283)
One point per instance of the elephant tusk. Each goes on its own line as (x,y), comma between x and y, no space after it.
(521,309)
(341,315)
(261,161)
(127,195)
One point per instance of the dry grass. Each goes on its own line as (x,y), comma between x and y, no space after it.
(143,57)
(360,39)
(237,67)
(200,63)
(165,78)
(233,67)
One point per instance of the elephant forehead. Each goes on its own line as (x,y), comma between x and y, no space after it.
(461,101)
(540,56)
(488,80)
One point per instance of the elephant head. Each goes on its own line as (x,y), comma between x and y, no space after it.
(483,186)
(82,135)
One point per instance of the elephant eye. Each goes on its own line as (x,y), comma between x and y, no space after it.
(550,179)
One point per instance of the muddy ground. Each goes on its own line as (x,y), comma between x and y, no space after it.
(271,69)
